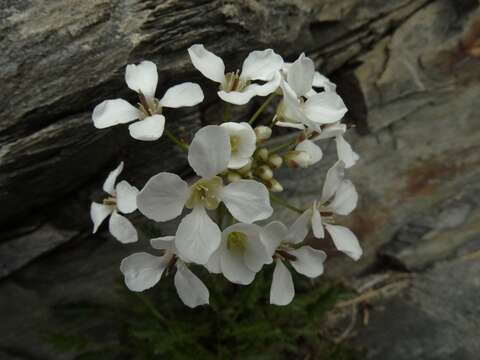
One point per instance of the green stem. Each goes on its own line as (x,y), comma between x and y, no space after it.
(175,140)
(282,146)
(261,109)
(283,203)
(153,310)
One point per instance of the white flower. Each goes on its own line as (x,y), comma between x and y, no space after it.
(143,79)
(165,195)
(123,198)
(302,106)
(242,143)
(238,88)
(241,254)
(306,153)
(344,150)
(142,271)
(283,244)
(338,197)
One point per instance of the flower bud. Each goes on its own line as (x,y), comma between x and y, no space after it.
(246,168)
(295,159)
(275,161)
(264,172)
(262,153)
(274,186)
(233,176)
(263,133)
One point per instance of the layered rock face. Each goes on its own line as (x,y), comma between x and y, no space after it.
(409,71)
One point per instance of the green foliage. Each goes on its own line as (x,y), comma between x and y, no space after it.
(239,324)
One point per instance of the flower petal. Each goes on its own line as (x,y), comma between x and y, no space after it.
(300,75)
(325,108)
(109,184)
(345,152)
(142,78)
(345,200)
(309,261)
(122,229)
(190,289)
(197,236)
(312,149)
(163,243)
(213,264)
(331,130)
(243,136)
(282,290)
(126,197)
(317,225)
(238,97)
(163,197)
(333,180)
(209,64)
(98,213)
(113,112)
(142,270)
(299,229)
(261,65)
(272,235)
(320,80)
(345,241)
(234,268)
(247,200)
(209,151)
(267,88)
(186,94)
(149,129)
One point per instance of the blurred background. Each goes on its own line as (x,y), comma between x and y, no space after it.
(409,72)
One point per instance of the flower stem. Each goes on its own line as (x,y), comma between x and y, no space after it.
(175,140)
(282,146)
(283,203)
(261,109)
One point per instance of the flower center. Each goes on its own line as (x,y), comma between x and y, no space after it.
(110,201)
(205,193)
(148,106)
(233,82)
(234,142)
(236,241)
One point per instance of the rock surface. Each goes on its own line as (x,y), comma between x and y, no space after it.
(409,71)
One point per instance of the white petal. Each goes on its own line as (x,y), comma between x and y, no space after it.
(126,197)
(300,75)
(299,229)
(191,290)
(186,94)
(209,64)
(345,241)
(299,126)
(345,199)
(313,150)
(142,270)
(197,236)
(209,151)
(272,235)
(213,264)
(320,80)
(247,200)
(238,97)
(163,197)
(98,213)
(109,184)
(309,261)
(142,78)
(234,268)
(261,65)
(325,107)
(282,290)
(245,143)
(317,225)
(333,180)
(267,88)
(163,243)
(331,130)
(113,112)
(345,152)
(122,229)
(149,129)
(291,108)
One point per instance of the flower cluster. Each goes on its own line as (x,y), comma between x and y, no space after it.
(235,182)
